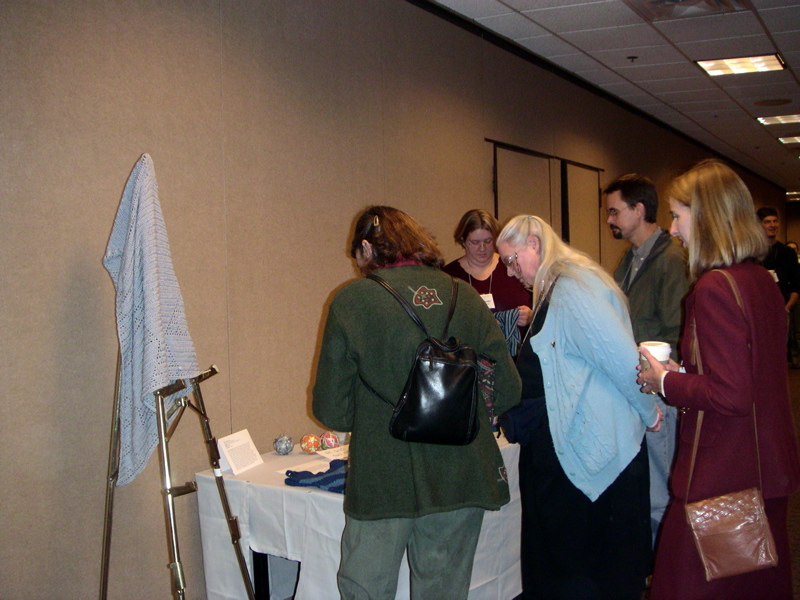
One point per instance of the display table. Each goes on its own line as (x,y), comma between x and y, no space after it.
(305,525)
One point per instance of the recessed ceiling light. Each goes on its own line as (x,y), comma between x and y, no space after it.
(790,140)
(781,120)
(746,64)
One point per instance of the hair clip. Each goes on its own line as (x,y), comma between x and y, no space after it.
(376,222)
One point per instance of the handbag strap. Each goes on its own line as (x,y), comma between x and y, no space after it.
(410,310)
(411,313)
(700,413)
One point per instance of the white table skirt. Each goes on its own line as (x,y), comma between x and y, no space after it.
(305,524)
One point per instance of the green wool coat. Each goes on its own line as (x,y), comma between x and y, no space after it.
(369,335)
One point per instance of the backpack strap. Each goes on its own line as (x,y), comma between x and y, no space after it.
(409,309)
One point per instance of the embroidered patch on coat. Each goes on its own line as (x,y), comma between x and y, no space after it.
(503,473)
(425,297)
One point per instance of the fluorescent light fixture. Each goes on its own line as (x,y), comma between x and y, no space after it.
(746,64)
(790,140)
(782,120)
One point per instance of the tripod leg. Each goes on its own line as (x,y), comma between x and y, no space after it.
(111,482)
(213,457)
(178,584)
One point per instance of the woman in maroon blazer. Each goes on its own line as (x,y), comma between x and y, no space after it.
(743,357)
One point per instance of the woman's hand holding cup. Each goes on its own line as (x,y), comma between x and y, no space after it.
(651,368)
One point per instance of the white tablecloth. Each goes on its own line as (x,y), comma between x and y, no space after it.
(305,524)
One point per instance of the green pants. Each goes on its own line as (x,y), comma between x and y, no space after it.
(441,549)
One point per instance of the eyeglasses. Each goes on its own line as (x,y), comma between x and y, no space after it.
(613,212)
(477,243)
(511,261)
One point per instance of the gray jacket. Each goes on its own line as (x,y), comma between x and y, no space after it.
(656,293)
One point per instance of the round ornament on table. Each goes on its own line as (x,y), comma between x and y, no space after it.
(329,440)
(310,443)
(283,444)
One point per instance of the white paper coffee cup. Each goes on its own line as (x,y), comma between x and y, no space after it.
(659,350)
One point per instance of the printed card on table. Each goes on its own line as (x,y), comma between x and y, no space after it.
(238,452)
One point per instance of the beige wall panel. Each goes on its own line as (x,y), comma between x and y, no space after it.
(87,87)
(584,212)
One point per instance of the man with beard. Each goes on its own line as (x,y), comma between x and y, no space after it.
(653,276)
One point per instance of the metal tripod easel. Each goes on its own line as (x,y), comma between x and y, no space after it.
(193,400)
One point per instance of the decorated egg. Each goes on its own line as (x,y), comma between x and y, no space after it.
(283,444)
(329,440)
(310,443)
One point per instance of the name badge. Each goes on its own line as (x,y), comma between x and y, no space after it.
(489,299)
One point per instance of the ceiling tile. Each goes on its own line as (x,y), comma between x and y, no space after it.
(713,27)
(600,75)
(716,110)
(547,46)
(531,4)
(781,20)
(476,9)
(664,113)
(658,86)
(628,36)
(746,45)
(594,39)
(680,70)
(761,4)
(641,100)
(762,92)
(512,25)
(621,88)
(578,63)
(787,42)
(645,56)
(792,60)
(581,17)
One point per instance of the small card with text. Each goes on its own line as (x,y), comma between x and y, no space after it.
(238,452)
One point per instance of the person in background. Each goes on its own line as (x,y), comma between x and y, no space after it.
(743,388)
(781,261)
(508,300)
(653,276)
(426,499)
(584,483)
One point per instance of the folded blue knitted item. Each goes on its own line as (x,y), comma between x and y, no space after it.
(332,480)
(508,324)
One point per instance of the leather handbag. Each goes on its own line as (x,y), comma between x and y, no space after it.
(439,402)
(730,531)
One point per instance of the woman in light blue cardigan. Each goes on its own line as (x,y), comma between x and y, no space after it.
(583,464)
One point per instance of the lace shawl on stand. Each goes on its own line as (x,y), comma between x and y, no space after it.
(154,341)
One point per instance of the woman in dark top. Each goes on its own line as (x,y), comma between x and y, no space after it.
(480,266)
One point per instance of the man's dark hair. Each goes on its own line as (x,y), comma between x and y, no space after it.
(636,188)
(766,211)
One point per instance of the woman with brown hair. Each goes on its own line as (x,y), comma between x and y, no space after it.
(480,266)
(735,378)
(427,499)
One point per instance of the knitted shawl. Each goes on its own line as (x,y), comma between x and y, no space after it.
(155,346)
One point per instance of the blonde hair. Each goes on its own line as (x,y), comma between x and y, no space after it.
(724,229)
(556,257)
